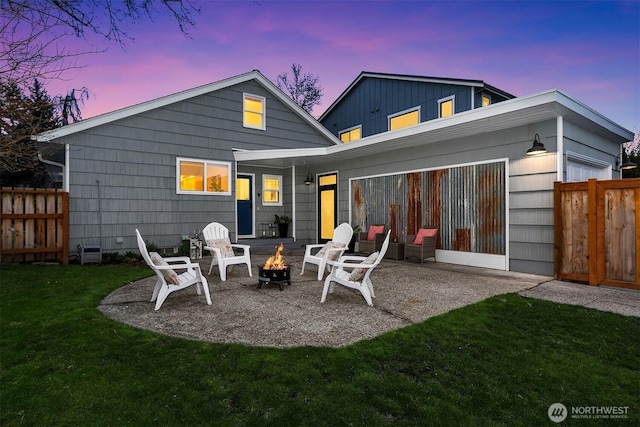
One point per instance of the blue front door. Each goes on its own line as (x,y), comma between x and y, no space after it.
(244,200)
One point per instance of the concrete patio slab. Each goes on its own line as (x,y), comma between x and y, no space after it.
(407,293)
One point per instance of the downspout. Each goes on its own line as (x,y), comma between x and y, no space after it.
(560,148)
(67,157)
(293,201)
(58,165)
(99,215)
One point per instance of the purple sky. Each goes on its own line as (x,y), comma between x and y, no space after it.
(589,50)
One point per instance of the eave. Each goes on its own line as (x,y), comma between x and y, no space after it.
(512,113)
(133,110)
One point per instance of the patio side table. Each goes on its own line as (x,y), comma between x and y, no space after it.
(395,250)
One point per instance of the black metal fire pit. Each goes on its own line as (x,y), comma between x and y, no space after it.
(279,276)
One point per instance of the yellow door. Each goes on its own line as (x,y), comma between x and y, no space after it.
(328,206)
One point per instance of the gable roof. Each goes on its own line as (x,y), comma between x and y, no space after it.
(411,78)
(181,96)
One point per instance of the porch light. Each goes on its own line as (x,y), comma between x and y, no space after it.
(537,147)
(628,164)
(309,179)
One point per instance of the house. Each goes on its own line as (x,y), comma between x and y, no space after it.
(167,166)
(392,149)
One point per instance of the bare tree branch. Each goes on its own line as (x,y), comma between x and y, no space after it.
(302,88)
(34,33)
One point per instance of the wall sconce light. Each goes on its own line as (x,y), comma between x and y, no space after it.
(537,147)
(309,179)
(628,164)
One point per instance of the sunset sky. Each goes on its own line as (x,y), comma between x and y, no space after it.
(589,50)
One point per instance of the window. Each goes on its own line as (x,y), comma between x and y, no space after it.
(202,177)
(486,100)
(254,108)
(446,106)
(272,190)
(404,119)
(352,134)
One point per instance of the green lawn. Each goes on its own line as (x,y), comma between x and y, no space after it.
(502,361)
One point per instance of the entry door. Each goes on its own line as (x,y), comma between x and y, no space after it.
(244,201)
(327,206)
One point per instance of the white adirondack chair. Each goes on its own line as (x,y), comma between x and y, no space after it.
(223,254)
(166,267)
(341,274)
(313,254)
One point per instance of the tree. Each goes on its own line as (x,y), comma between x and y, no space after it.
(33,32)
(22,116)
(33,35)
(631,151)
(68,106)
(302,88)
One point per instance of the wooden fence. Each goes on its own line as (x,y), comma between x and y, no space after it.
(35,225)
(597,232)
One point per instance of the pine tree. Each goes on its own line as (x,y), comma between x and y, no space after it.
(22,116)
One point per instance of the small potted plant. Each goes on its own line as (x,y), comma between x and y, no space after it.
(354,237)
(283,222)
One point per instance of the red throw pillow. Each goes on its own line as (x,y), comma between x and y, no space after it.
(373,230)
(424,232)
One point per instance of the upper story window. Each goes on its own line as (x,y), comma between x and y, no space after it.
(195,176)
(272,190)
(404,119)
(351,134)
(446,106)
(486,100)
(254,111)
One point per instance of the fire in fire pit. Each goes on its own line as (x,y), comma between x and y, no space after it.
(276,262)
(274,270)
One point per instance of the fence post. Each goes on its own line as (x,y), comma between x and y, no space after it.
(592,218)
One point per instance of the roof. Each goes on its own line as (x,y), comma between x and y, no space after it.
(181,96)
(503,115)
(412,78)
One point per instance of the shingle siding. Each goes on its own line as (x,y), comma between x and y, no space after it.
(134,160)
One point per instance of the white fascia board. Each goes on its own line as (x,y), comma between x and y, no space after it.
(592,115)
(181,96)
(247,155)
(551,98)
(552,102)
(142,107)
(484,113)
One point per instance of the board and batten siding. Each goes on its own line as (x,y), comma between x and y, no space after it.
(123,173)
(371,102)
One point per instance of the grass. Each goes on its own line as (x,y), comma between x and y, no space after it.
(502,361)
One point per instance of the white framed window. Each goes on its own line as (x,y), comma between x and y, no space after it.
(486,100)
(196,176)
(272,190)
(254,108)
(404,118)
(351,134)
(446,106)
